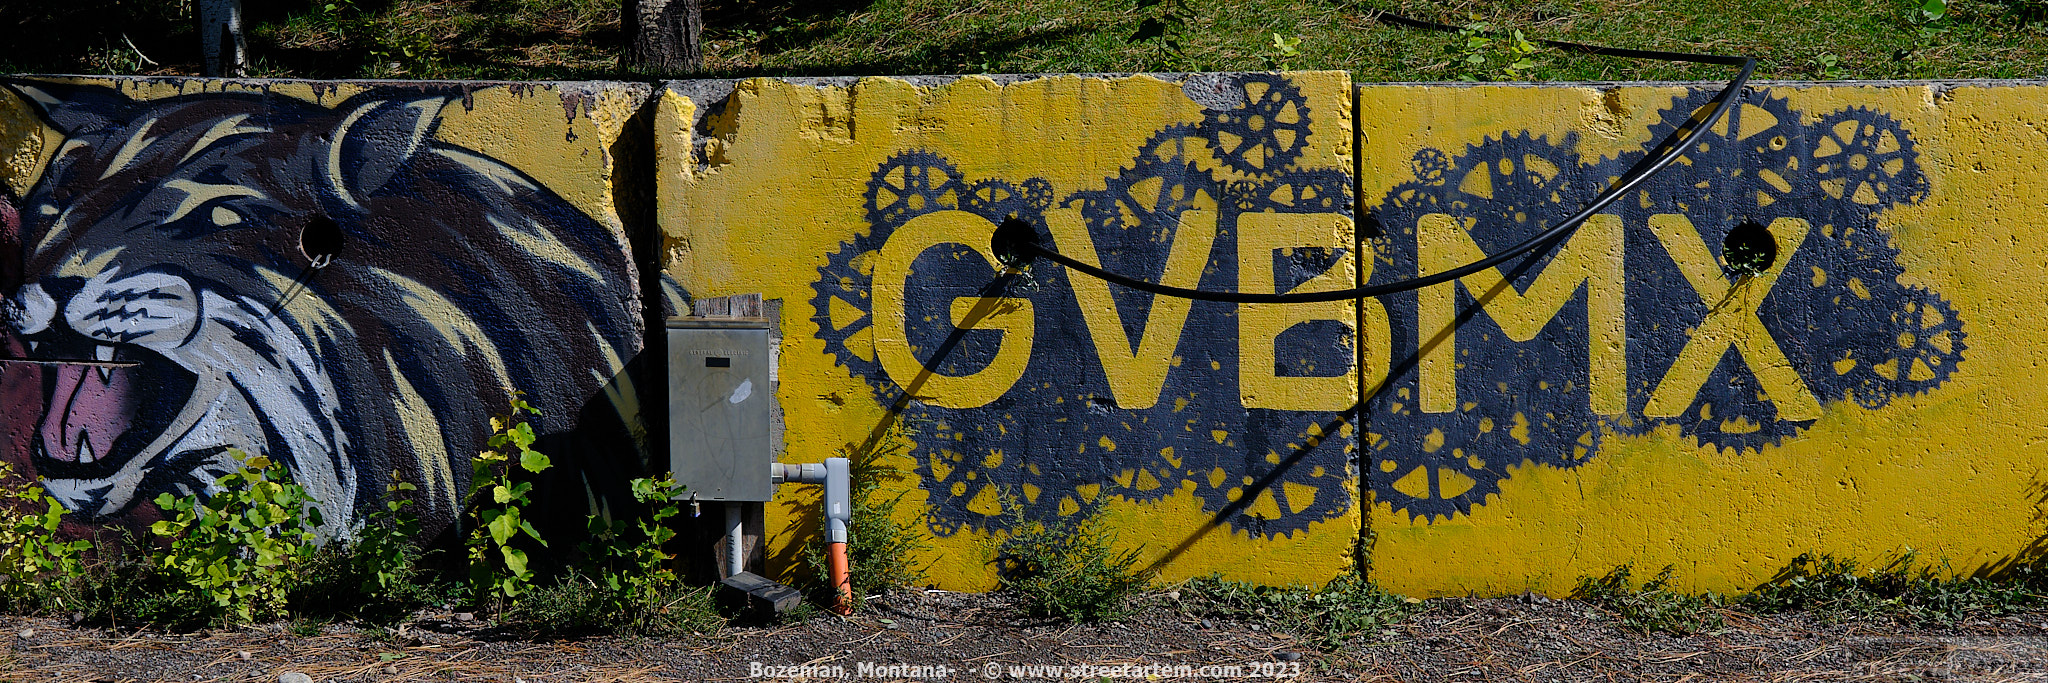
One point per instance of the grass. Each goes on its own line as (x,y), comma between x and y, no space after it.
(580,39)
(577,605)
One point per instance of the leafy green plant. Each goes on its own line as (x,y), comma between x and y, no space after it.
(1169,23)
(378,577)
(239,546)
(1652,606)
(386,550)
(122,584)
(1285,49)
(1481,44)
(1326,617)
(1068,568)
(880,549)
(497,569)
(626,583)
(1830,66)
(31,557)
(629,562)
(1933,10)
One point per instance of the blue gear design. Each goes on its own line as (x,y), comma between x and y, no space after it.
(905,187)
(1850,328)
(1864,158)
(1431,465)
(1267,134)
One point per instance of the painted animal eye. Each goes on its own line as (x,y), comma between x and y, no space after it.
(225,216)
(48,209)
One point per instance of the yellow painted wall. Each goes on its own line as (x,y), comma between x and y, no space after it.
(1949,466)
(786,189)
(1639,398)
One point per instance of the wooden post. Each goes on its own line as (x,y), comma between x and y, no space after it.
(666,36)
(223,51)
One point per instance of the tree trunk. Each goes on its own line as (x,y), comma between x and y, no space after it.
(223,52)
(666,35)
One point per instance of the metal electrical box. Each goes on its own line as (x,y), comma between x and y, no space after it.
(719,402)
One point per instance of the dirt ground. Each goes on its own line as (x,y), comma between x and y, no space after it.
(931,634)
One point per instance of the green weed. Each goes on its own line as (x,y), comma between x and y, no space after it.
(379,577)
(1326,617)
(880,549)
(1067,568)
(497,569)
(240,546)
(1653,606)
(578,604)
(31,556)
(1486,53)
(1840,589)
(123,585)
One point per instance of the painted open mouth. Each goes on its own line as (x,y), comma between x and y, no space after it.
(98,415)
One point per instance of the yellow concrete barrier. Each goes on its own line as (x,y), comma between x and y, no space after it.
(1213,438)
(1818,332)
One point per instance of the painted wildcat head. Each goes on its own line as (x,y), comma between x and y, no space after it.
(174,243)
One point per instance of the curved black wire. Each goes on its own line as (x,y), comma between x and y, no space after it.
(1662,156)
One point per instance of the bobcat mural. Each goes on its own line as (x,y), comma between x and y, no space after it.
(329,286)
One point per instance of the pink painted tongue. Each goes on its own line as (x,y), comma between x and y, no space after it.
(86,412)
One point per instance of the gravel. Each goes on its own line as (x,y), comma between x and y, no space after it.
(908,635)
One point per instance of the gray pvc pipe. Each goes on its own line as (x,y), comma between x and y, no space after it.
(735,544)
(838,498)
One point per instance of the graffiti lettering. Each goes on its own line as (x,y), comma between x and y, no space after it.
(1593,257)
(1137,368)
(1092,391)
(1731,321)
(1672,333)
(1012,317)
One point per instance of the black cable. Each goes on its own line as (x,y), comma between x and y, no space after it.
(1024,242)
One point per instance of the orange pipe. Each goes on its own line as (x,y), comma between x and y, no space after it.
(841,580)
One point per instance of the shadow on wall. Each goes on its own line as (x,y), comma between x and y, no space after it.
(2033,558)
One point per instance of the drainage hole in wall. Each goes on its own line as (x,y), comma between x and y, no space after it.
(1749,250)
(320,239)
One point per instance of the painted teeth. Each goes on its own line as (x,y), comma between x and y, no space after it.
(32,346)
(104,352)
(85,453)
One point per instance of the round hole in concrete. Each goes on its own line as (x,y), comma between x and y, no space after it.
(1009,241)
(321,237)
(1749,249)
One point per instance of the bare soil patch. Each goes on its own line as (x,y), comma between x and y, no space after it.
(1504,639)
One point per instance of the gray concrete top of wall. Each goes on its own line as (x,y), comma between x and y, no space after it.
(1210,89)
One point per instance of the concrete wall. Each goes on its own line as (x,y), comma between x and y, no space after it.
(476,244)
(1873,392)
(1628,399)
(1215,437)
